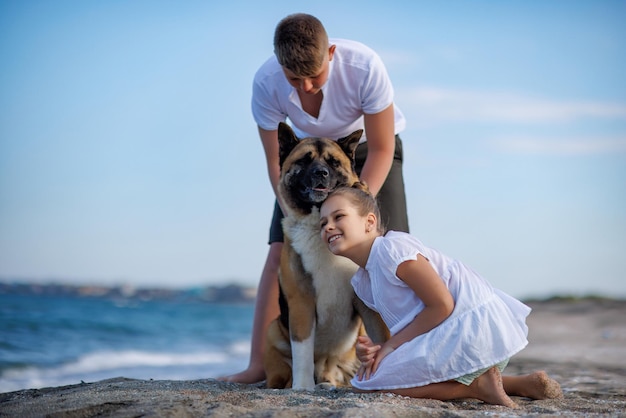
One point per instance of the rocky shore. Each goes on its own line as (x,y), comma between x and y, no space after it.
(581,343)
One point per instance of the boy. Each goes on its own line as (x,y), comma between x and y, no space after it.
(326,89)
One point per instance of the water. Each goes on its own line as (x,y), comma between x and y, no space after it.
(59,340)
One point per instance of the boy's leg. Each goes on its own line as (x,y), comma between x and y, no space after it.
(265,311)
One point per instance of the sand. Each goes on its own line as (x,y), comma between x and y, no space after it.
(580,343)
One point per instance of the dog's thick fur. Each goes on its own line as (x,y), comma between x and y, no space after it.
(312,341)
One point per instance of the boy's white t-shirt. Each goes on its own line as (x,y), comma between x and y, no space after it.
(357,84)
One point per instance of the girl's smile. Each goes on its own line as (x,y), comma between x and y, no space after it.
(334,237)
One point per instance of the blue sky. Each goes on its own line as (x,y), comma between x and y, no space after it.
(128,153)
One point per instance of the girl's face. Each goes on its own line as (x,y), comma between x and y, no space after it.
(343,228)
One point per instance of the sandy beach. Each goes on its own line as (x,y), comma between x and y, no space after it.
(581,343)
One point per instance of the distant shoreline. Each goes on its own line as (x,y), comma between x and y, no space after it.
(225,294)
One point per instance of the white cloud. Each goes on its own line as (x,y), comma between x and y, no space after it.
(437,105)
(397,58)
(553,146)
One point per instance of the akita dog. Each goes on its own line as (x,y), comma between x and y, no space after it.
(312,341)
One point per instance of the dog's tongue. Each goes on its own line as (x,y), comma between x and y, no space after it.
(320,189)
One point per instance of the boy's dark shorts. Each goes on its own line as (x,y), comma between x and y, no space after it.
(391,197)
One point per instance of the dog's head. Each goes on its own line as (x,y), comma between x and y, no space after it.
(311,168)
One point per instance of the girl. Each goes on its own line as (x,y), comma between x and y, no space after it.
(452,333)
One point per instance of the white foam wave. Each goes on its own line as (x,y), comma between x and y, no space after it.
(107,360)
(132,364)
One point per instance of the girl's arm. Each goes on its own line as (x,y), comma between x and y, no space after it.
(428,286)
(381,144)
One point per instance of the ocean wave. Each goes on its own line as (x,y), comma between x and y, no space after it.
(136,364)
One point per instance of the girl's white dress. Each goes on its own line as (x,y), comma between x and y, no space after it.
(486,327)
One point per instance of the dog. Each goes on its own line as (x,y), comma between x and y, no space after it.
(312,341)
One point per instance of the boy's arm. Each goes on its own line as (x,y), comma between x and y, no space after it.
(269,139)
(380,133)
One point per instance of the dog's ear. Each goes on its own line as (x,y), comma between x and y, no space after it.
(349,143)
(287,141)
(361,185)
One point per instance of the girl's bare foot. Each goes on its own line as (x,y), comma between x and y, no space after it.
(539,385)
(488,388)
(250,375)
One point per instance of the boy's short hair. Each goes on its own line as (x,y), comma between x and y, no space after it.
(300,43)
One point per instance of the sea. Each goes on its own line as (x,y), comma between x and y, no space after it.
(50,340)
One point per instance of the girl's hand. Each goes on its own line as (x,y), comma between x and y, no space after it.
(365,349)
(366,352)
(380,355)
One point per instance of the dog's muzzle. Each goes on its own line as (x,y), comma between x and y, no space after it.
(317,183)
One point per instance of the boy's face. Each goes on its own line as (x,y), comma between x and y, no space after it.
(311,84)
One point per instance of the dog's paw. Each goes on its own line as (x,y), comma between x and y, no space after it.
(303,389)
(325,386)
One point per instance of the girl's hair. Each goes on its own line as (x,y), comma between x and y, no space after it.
(363,201)
(300,43)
